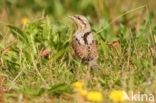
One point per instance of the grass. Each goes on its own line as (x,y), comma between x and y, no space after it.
(126,59)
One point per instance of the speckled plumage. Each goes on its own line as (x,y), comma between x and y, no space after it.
(83,43)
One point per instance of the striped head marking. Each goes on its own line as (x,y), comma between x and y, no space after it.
(81,22)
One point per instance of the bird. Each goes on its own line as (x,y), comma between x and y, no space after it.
(83,42)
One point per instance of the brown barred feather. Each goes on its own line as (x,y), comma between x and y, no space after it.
(83,44)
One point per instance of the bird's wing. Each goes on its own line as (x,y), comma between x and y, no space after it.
(92,51)
(79,49)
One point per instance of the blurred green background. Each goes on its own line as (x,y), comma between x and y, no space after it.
(130,13)
(12,10)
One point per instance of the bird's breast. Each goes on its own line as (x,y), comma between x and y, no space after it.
(85,52)
(84,37)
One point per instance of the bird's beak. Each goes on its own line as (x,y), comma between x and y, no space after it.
(71,17)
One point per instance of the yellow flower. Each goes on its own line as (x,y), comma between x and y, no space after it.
(80,88)
(25,21)
(78,85)
(94,96)
(118,96)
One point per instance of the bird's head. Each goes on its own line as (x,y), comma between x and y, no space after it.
(81,22)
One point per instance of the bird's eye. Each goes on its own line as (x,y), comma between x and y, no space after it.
(77,17)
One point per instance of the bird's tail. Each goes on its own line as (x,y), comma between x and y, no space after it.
(93,64)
